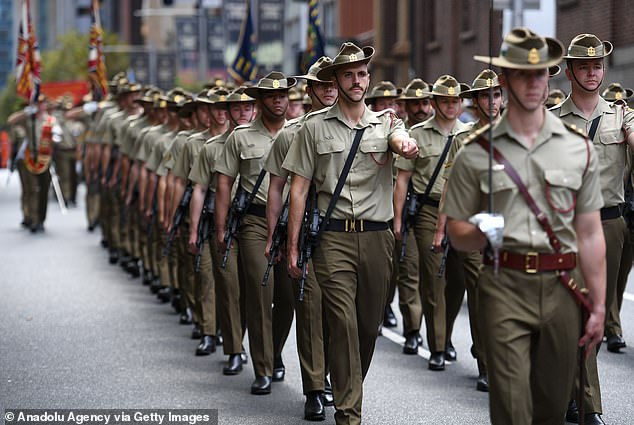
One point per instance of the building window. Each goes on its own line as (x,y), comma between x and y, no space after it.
(467,18)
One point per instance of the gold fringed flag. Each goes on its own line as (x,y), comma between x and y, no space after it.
(96,60)
(244,67)
(28,65)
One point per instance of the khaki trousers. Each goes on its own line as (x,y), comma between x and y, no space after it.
(37,195)
(530,327)
(353,271)
(230,297)
(409,296)
(205,293)
(432,287)
(268,326)
(613,319)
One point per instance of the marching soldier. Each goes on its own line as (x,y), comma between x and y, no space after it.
(434,137)
(529,319)
(464,266)
(230,291)
(295,103)
(17,135)
(65,154)
(352,262)
(245,153)
(607,126)
(42,133)
(311,343)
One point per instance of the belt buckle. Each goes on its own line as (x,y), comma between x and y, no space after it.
(351,225)
(527,262)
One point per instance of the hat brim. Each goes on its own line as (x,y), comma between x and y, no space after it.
(310,78)
(607,48)
(255,91)
(463,88)
(327,73)
(555,54)
(468,94)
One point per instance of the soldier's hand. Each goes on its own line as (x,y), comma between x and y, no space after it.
(293,271)
(191,244)
(220,242)
(409,148)
(267,249)
(594,330)
(437,245)
(398,235)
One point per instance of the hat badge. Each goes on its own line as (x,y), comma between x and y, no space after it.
(451,91)
(592,51)
(244,97)
(386,92)
(533,56)
(419,92)
(557,100)
(352,57)
(618,95)
(276,84)
(222,98)
(489,82)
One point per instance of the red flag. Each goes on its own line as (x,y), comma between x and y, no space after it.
(28,65)
(96,60)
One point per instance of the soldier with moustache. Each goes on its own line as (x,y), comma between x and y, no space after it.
(432,137)
(311,331)
(245,153)
(352,261)
(230,290)
(613,132)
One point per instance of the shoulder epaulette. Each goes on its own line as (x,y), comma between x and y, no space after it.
(476,134)
(242,127)
(293,122)
(315,113)
(575,130)
(555,107)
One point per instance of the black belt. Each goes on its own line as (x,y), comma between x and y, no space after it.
(354,226)
(610,213)
(257,210)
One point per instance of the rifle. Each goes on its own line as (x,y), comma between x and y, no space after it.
(279,236)
(178,218)
(239,207)
(418,205)
(204,226)
(309,237)
(407,217)
(443,261)
(237,210)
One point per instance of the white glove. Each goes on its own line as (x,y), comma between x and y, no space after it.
(492,225)
(90,107)
(30,110)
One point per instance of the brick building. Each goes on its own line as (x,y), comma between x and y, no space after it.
(609,20)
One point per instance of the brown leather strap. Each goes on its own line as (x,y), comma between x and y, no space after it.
(534,262)
(563,275)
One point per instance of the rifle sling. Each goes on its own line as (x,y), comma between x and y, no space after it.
(542,219)
(593,127)
(254,192)
(342,178)
(434,175)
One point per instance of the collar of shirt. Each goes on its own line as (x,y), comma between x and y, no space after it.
(432,124)
(552,125)
(569,107)
(368,118)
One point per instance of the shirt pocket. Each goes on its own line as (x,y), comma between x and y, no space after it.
(504,190)
(377,149)
(252,160)
(610,144)
(330,146)
(561,189)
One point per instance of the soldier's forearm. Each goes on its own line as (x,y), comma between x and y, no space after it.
(464,236)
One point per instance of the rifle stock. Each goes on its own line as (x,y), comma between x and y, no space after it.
(178,218)
(309,238)
(204,227)
(236,212)
(279,236)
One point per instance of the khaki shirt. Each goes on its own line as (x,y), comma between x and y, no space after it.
(320,151)
(159,149)
(245,152)
(106,106)
(147,140)
(203,170)
(458,143)
(609,142)
(280,147)
(169,161)
(68,140)
(102,134)
(431,142)
(561,188)
(130,131)
(188,154)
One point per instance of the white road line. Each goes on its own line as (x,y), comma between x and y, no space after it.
(399,340)
(628,296)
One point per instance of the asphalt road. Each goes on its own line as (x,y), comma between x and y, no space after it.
(78,333)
